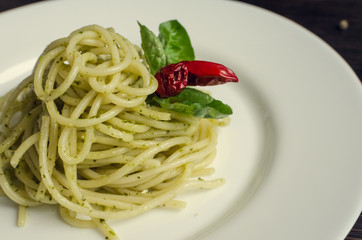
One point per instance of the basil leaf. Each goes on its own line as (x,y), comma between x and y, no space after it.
(193,102)
(215,109)
(176,41)
(153,49)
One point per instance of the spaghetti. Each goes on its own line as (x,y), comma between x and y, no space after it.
(77,133)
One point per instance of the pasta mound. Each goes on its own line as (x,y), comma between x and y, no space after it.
(78,133)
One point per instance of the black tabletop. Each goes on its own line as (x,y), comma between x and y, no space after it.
(337,22)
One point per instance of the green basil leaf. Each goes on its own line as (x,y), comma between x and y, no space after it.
(191,96)
(176,41)
(216,109)
(153,49)
(193,102)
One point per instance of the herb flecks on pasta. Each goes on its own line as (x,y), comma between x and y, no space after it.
(78,134)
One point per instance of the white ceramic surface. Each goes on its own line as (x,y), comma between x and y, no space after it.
(291,156)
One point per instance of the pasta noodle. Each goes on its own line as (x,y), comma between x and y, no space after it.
(77,133)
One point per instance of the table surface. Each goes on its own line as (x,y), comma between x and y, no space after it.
(323,18)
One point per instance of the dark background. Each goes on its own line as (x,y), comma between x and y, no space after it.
(322,17)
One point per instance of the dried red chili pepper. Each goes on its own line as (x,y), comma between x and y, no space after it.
(175,77)
(172,79)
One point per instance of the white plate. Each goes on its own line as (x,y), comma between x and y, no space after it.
(292,155)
